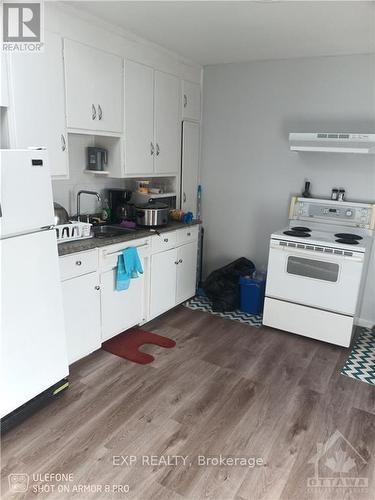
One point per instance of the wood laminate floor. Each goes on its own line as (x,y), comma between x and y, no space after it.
(225,389)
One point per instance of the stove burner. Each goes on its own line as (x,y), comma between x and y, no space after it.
(302,229)
(348,236)
(347,241)
(299,234)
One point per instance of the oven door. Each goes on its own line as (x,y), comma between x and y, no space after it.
(315,279)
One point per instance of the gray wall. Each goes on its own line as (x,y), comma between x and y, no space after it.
(249,173)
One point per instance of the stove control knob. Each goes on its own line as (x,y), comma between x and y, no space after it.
(349,213)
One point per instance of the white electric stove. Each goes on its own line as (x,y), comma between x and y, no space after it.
(317,269)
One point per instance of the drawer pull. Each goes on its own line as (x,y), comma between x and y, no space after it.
(189,234)
(78,262)
(176,262)
(166,240)
(97,287)
(180,261)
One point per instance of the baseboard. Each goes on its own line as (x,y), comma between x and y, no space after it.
(364,322)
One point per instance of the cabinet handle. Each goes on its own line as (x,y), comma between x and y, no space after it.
(189,234)
(100,112)
(176,262)
(152,149)
(78,263)
(63,143)
(97,287)
(157,149)
(93,112)
(166,240)
(184,198)
(180,261)
(185,100)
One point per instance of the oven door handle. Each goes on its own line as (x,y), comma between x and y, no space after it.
(317,255)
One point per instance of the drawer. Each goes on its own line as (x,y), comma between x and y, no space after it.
(187,235)
(163,242)
(77,264)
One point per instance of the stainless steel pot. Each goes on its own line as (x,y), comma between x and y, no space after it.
(61,215)
(152,214)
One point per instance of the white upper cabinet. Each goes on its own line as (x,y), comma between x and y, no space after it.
(139,119)
(152,121)
(94,88)
(191,101)
(38,103)
(3,80)
(167,123)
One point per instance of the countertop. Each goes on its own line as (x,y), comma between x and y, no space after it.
(90,243)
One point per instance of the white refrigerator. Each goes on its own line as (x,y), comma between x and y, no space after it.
(33,346)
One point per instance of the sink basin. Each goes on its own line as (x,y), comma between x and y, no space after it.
(110,231)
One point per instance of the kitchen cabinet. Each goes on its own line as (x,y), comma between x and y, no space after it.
(173,272)
(139,118)
(94,88)
(167,124)
(81,301)
(4,96)
(152,121)
(37,111)
(191,101)
(163,282)
(122,309)
(186,271)
(190,166)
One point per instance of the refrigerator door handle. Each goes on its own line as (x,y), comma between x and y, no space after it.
(1,211)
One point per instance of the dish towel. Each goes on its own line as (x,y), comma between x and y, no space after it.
(128,267)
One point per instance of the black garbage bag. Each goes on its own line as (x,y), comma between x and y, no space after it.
(222,286)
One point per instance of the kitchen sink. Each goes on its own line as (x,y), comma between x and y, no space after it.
(110,231)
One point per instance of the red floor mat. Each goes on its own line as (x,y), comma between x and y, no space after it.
(126,345)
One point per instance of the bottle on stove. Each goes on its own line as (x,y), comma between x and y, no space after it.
(306,193)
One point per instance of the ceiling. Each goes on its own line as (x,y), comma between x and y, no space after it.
(211,32)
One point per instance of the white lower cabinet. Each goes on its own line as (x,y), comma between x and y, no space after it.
(173,273)
(122,309)
(163,282)
(186,271)
(81,299)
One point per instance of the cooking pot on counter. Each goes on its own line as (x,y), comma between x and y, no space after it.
(152,214)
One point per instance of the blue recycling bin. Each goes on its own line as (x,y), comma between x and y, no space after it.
(252,294)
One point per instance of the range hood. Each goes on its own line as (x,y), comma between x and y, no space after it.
(333,142)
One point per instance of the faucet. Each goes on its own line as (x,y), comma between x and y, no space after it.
(83,191)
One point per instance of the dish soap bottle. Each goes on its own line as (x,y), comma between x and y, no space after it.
(106,212)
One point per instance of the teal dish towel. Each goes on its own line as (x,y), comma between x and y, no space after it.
(128,266)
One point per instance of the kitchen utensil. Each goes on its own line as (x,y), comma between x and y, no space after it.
(61,215)
(152,214)
(334,194)
(306,193)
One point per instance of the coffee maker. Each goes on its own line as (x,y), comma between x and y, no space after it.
(118,200)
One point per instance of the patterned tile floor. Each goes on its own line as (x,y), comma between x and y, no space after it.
(201,303)
(361,361)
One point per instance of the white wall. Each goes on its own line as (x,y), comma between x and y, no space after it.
(248,171)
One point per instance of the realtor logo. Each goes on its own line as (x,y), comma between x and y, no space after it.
(18,483)
(22,27)
(337,464)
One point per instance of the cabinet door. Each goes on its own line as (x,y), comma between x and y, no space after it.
(81,299)
(191,101)
(186,272)
(139,119)
(108,92)
(38,102)
(81,67)
(163,282)
(167,123)
(190,166)
(121,310)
